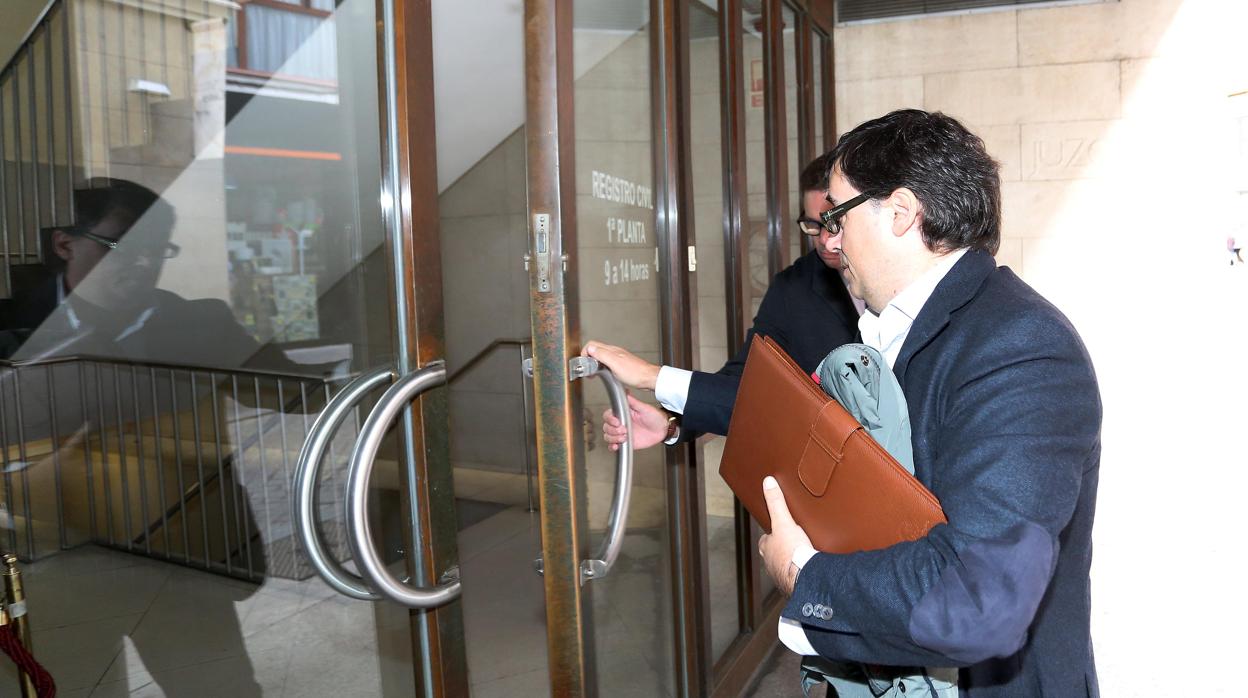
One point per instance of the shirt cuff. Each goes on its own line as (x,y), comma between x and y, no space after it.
(802,555)
(671,388)
(793,635)
(791,632)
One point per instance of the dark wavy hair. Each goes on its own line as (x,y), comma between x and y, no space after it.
(937,158)
(134,205)
(107,196)
(815,175)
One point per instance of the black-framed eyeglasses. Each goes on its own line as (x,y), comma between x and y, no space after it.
(167,251)
(831,219)
(810,226)
(107,242)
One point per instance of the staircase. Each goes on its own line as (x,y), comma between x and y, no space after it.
(185,465)
(36,143)
(81,96)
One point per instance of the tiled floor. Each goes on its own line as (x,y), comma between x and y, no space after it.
(107,624)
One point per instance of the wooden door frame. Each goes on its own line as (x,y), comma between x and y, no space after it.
(555,313)
(410,177)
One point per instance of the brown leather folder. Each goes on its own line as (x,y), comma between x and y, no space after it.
(840,484)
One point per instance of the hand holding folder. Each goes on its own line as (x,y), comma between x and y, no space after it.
(841,486)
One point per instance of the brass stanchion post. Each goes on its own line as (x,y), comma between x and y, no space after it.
(15,611)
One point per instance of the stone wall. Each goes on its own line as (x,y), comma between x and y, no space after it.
(1121,139)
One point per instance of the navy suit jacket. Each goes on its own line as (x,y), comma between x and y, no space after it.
(806,310)
(201,332)
(1006,419)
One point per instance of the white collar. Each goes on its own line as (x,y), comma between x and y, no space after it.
(75,323)
(887,331)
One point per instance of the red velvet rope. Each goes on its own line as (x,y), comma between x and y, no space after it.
(45,687)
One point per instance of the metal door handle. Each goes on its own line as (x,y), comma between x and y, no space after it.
(360,533)
(309,464)
(617,521)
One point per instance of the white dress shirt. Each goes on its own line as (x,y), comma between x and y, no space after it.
(76,324)
(671,388)
(886,333)
(62,344)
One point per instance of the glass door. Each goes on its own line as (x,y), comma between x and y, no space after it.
(293,298)
(594,273)
(209,278)
(561,209)
(547,212)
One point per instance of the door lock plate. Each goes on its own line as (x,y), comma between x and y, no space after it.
(541,250)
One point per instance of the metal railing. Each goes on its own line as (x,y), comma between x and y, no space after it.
(191,465)
(37,149)
(186,464)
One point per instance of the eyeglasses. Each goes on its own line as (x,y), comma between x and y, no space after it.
(107,242)
(831,219)
(810,226)
(167,251)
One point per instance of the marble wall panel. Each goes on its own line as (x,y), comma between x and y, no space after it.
(1070,92)
(955,43)
(1094,32)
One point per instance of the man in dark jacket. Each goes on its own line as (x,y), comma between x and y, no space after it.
(101,296)
(806,310)
(101,300)
(1005,415)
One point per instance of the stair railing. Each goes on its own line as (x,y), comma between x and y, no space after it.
(37,177)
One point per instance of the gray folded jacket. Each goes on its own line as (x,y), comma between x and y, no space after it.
(856,376)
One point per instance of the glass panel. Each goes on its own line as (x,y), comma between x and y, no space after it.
(816,47)
(291,43)
(618,289)
(482,179)
(485,295)
(708,222)
(790,214)
(754,213)
(171,335)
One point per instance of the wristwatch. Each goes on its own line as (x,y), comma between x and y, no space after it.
(673,429)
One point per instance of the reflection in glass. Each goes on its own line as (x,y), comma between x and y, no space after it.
(618,289)
(189,211)
(482,207)
(285,41)
(788,37)
(816,47)
(100,295)
(708,221)
(754,213)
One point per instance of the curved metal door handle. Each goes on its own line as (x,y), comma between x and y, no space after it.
(309,464)
(617,521)
(360,472)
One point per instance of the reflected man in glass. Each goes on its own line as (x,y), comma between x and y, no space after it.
(99,299)
(100,296)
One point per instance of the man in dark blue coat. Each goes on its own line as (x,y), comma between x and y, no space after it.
(101,297)
(1005,415)
(806,310)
